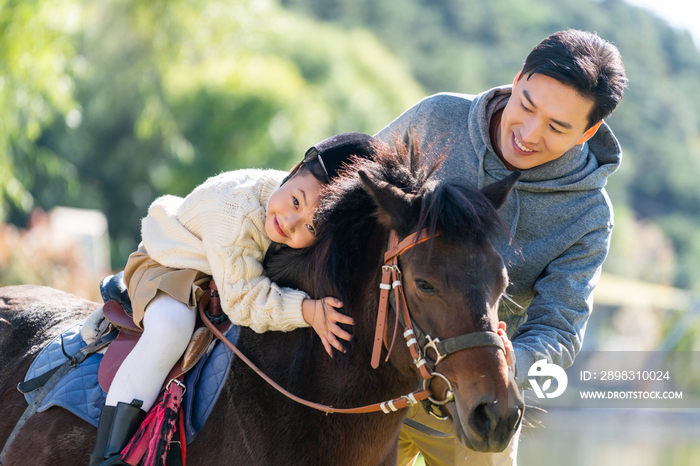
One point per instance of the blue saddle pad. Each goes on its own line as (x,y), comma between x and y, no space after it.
(79,391)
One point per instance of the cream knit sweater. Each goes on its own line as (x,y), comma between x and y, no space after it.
(219,229)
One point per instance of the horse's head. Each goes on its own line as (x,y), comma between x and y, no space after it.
(453,282)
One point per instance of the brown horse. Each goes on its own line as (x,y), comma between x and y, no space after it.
(453,284)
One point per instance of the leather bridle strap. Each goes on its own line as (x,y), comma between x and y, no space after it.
(417,341)
(384,292)
(470,340)
(410,336)
(386,406)
(391,280)
(443,348)
(395,250)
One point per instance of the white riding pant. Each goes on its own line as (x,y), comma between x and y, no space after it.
(168,325)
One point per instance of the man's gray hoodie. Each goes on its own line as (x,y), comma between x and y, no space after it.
(559,215)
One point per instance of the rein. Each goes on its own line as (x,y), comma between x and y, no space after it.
(416,340)
(386,407)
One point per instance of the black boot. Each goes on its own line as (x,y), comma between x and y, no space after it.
(103,427)
(116,427)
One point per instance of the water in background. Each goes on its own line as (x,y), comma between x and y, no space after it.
(609,437)
(619,437)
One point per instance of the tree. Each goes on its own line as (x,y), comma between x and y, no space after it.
(36,57)
(169,93)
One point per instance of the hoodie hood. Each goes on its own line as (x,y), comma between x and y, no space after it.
(584,167)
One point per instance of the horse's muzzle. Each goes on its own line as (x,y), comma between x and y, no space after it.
(488,426)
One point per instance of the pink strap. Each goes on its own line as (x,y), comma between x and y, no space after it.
(152,441)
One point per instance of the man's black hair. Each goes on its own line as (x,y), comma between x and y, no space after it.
(586,63)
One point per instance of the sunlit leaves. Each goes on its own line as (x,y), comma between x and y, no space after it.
(123,100)
(36,50)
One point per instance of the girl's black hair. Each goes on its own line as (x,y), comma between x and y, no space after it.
(327,158)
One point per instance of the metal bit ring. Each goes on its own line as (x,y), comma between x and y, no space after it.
(449,396)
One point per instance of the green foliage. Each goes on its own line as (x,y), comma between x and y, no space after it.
(169,93)
(36,52)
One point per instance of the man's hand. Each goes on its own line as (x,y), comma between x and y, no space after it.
(510,354)
(322,316)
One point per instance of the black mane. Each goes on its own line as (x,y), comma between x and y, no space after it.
(459,213)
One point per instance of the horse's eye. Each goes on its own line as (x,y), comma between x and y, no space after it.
(425,287)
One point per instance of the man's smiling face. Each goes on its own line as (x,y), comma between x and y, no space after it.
(542,120)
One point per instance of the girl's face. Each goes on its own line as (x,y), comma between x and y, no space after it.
(291,209)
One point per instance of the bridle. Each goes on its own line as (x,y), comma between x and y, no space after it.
(416,340)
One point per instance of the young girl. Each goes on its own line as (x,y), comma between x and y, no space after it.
(221,230)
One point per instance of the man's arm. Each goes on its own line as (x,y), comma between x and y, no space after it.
(557,316)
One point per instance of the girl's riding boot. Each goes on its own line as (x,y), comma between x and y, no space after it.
(116,427)
(103,427)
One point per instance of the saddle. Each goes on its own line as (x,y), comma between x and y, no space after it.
(117,311)
(65,373)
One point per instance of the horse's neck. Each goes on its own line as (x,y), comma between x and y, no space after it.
(362,295)
(354,268)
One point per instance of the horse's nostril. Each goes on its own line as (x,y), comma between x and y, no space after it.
(481,419)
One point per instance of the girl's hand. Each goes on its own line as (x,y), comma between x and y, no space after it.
(510,354)
(322,316)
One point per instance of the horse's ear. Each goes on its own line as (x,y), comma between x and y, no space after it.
(393,205)
(498,192)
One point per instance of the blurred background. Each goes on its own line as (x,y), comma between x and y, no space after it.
(106,105)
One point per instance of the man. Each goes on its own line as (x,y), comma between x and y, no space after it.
(549,125)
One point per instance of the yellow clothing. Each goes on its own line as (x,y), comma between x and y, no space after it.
(219,230)
(144,277)
(446,451)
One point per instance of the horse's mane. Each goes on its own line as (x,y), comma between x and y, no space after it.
(347,217)
(451,207)
(347,214)
(459,213)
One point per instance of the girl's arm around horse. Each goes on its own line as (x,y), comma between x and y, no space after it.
(219,229)
(322,316)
